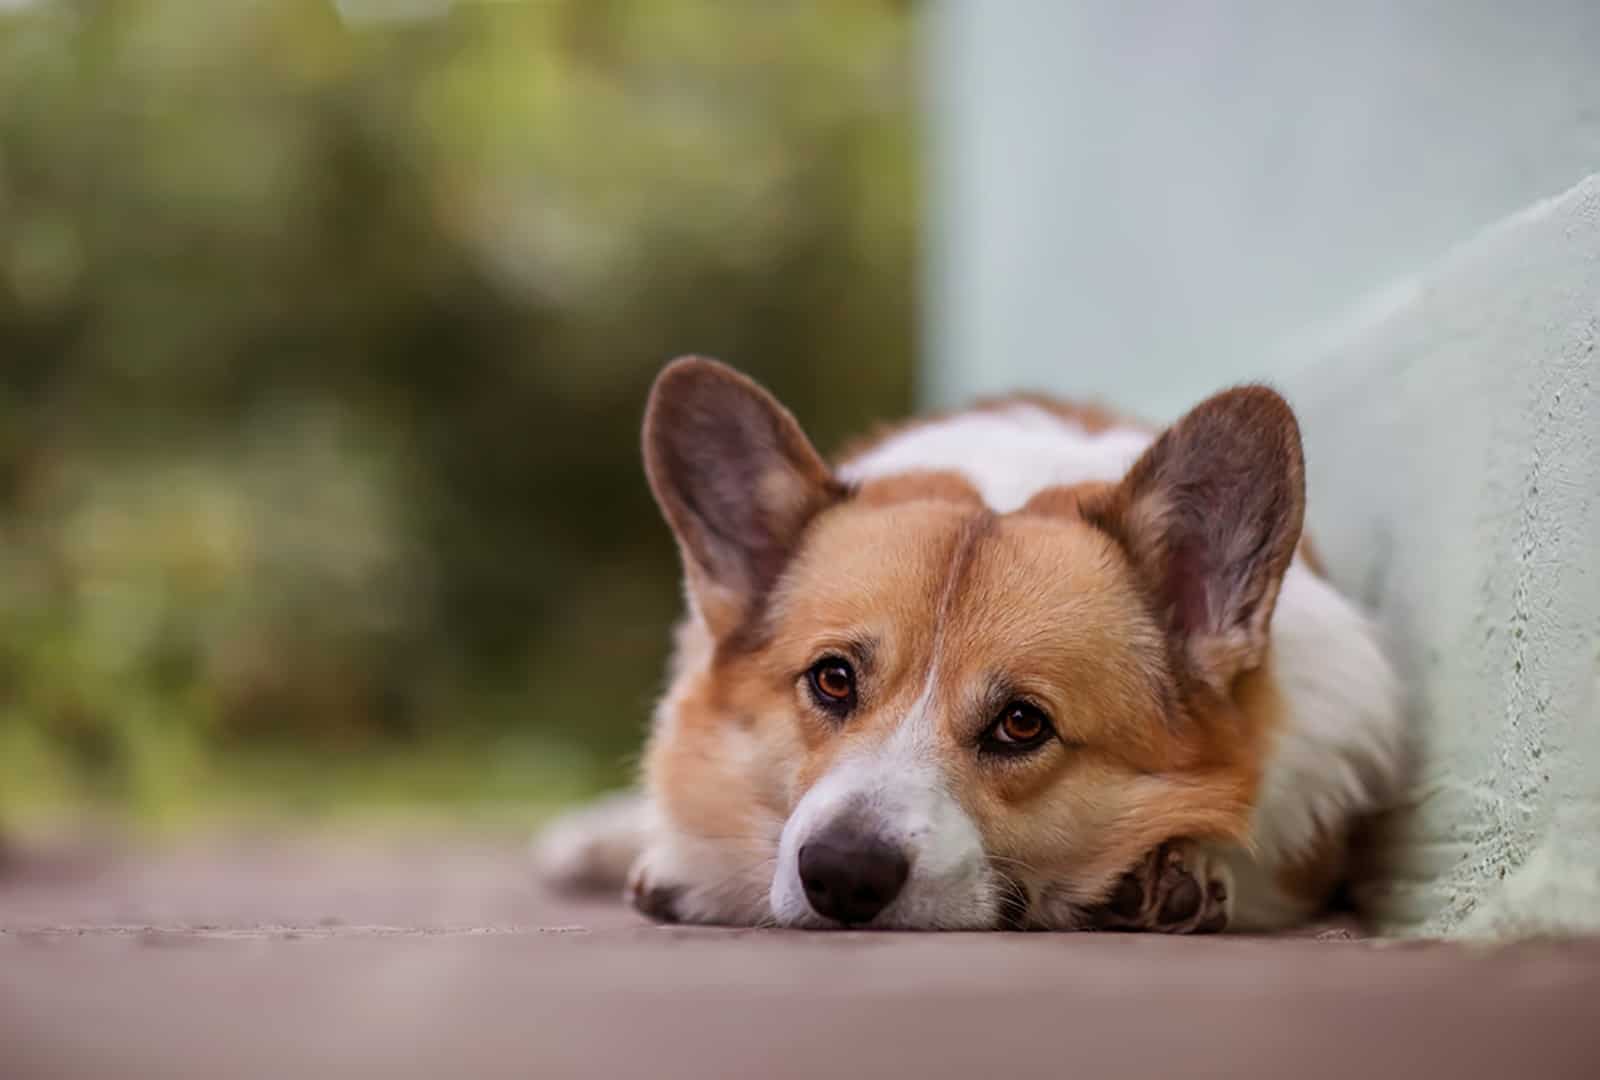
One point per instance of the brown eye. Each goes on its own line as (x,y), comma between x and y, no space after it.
(833,682)
(1019,727)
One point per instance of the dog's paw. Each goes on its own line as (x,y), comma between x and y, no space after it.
(652,896)
(679,880)
(1177,889)
(591,849)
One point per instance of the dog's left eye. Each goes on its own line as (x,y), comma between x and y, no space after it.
(833,683)
(1020,727)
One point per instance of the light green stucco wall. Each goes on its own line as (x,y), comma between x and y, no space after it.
(1147,209)
(1453,450)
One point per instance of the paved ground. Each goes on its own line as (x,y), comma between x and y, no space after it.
(438,959)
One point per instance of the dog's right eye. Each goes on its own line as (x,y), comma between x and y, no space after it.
(1019,729)
(833,683)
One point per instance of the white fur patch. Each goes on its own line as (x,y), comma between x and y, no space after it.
(1009,454)
(1342,749)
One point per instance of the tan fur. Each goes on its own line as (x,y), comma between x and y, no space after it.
(1067,501)
(1056,605)
(934,485)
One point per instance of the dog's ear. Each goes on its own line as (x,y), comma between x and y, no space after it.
(1211,515)
(737,481)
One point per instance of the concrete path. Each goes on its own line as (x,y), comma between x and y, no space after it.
(439,960)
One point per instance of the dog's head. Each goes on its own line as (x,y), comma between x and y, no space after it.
(903,709)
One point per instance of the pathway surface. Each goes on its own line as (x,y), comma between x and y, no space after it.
(438,959)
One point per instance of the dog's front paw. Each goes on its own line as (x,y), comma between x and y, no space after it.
(675,881)
(589,850)
(1177,889)
(653,897)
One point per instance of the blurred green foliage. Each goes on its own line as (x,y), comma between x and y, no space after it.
(323,344)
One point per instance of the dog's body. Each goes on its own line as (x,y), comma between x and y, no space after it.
(1026,665)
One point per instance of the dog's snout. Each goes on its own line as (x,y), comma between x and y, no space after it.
(849,877)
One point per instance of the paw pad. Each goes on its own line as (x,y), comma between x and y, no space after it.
(1175,889)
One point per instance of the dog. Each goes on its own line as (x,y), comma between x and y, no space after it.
(1028,666)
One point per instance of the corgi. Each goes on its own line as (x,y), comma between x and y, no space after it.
(1027,666)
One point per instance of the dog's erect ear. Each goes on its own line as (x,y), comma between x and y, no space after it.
(1211,515)
(736,479)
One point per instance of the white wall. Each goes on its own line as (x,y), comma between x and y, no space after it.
(1147,202)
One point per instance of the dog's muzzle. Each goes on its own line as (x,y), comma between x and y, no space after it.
(881,843)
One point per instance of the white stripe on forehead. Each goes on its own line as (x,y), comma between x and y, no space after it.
(916,734)
(1009,455)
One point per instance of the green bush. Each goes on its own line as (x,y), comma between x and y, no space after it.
(322,351)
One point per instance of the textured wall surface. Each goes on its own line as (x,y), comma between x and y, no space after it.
(1453,451)
(1148,207)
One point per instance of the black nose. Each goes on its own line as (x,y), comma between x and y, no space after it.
(849,877)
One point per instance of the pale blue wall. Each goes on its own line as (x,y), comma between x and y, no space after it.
(1147,200)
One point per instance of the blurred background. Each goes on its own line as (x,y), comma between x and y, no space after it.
(326,325)
(325,330)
